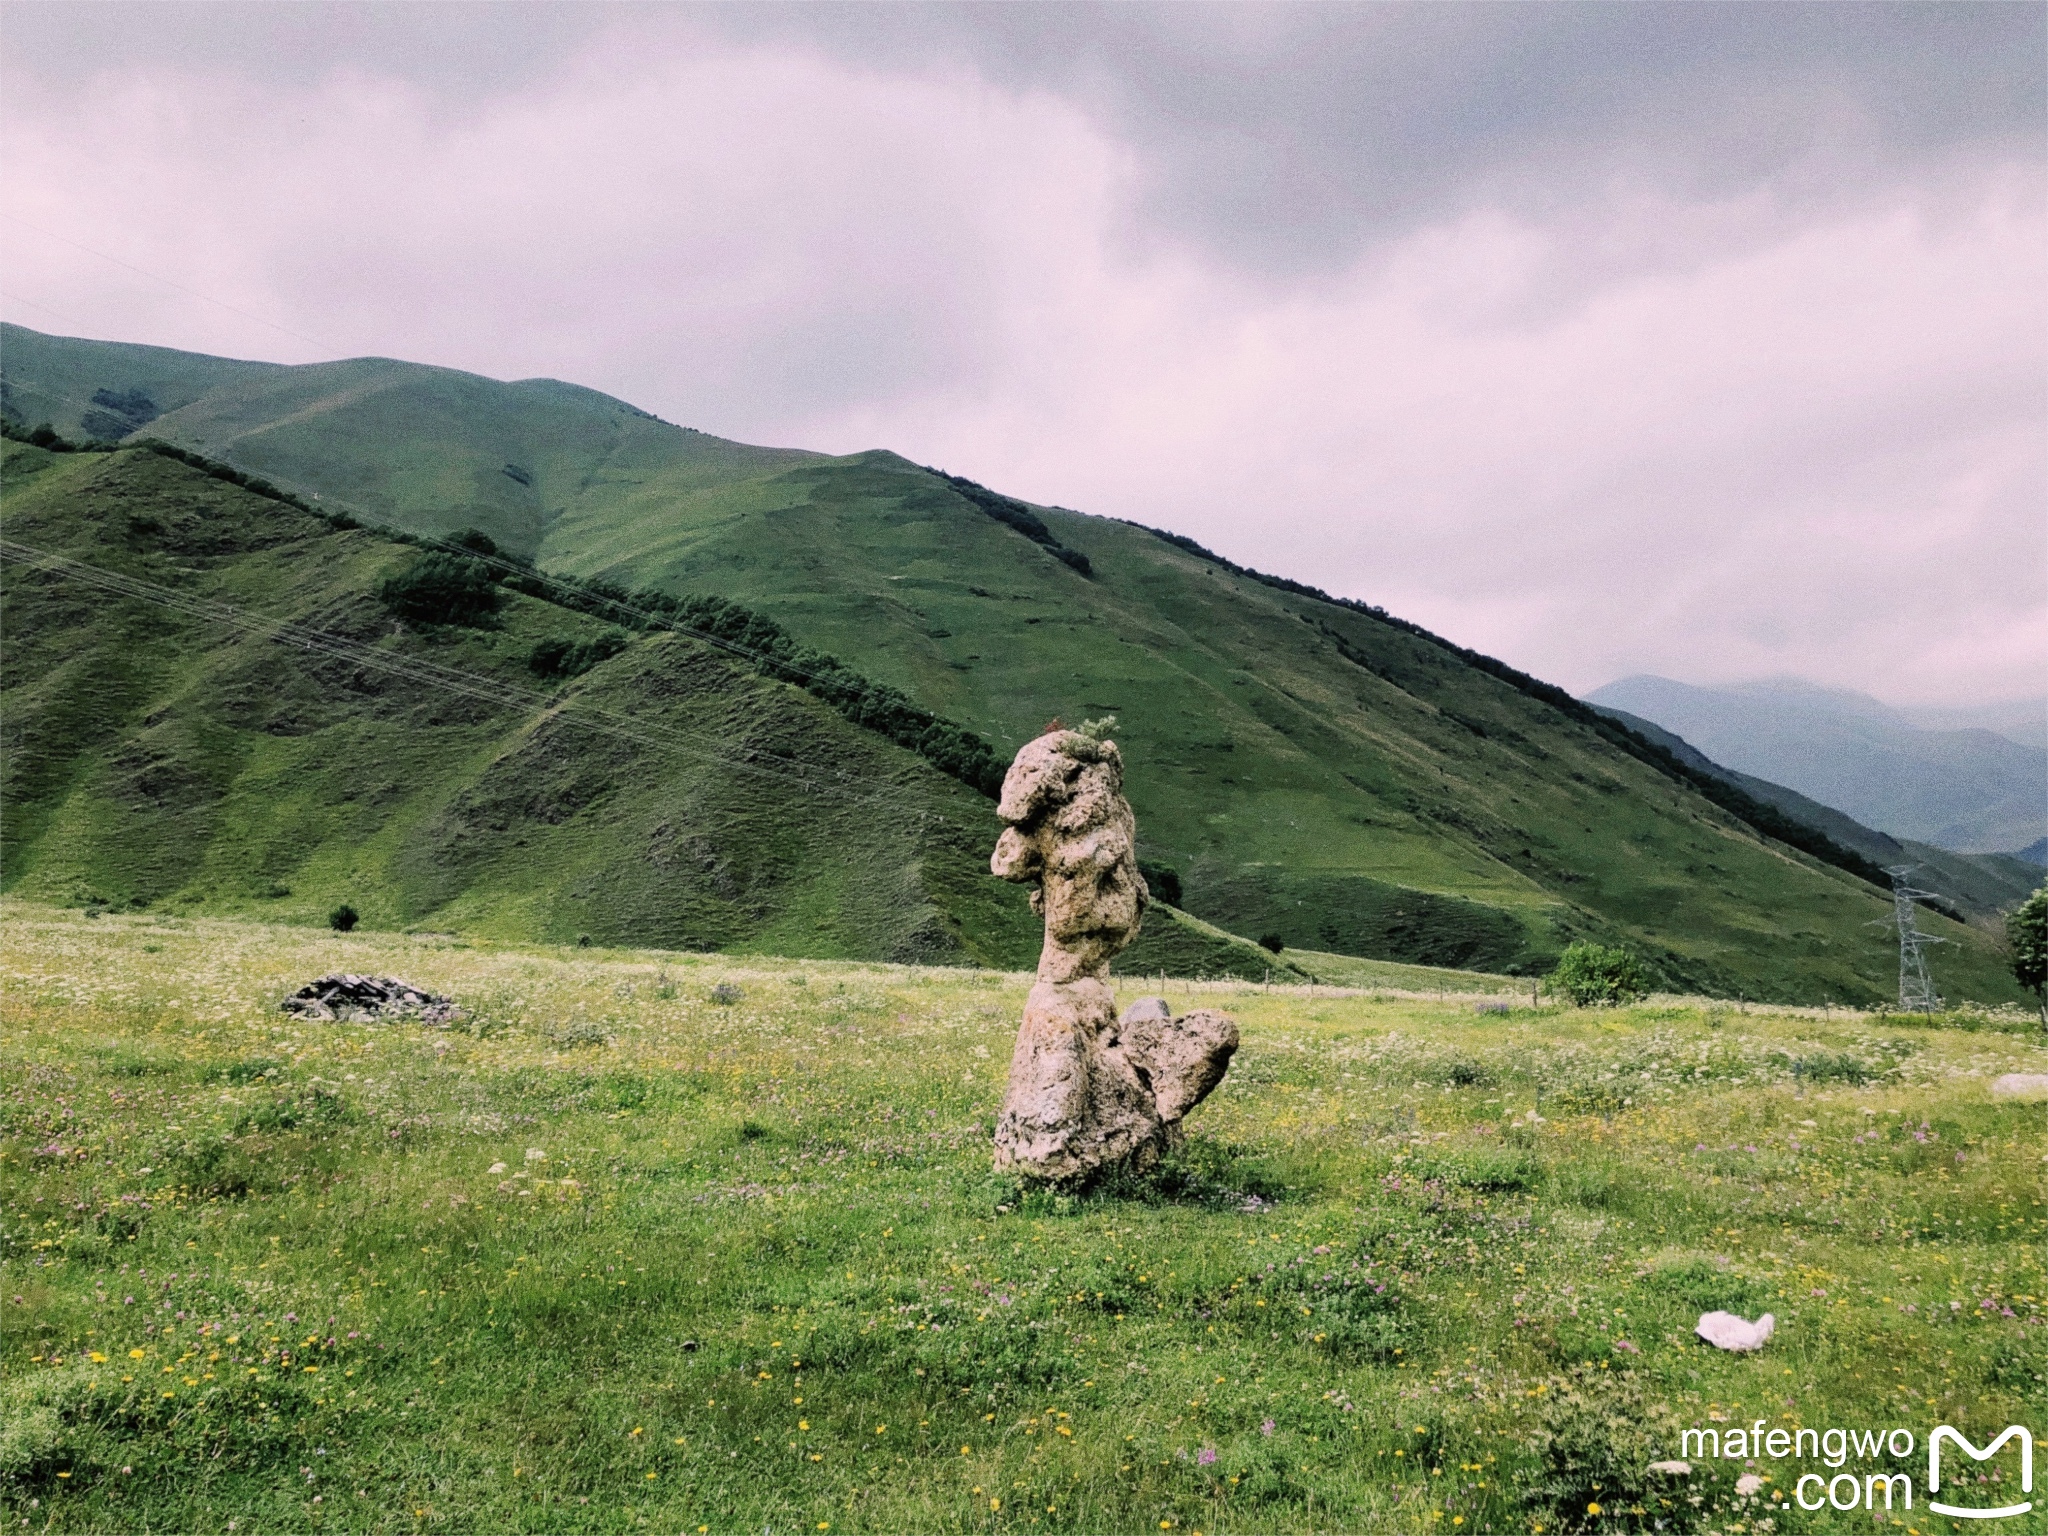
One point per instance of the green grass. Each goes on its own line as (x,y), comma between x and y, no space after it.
(745,1264)
(1311,771)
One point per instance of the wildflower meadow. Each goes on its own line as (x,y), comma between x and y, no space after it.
(708,1243)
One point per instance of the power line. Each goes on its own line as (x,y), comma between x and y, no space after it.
(566,586)
(762,763)
(158,277)
(54,314)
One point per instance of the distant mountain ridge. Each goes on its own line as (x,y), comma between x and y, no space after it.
(2022,720)
(1981,885)
(1970,791)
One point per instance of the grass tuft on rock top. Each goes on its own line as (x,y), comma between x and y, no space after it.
(663,1240)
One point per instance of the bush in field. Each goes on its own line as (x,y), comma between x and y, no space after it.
(2026,933)
(79,1419)
(476,541)
(558,656)
(1600,1433)
(442,589)
(343,918)
(1590,973)
(1163,880)
(1272,942)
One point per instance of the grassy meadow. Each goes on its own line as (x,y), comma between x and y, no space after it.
(685,1242)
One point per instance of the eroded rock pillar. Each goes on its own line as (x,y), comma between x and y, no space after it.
(1089,1090)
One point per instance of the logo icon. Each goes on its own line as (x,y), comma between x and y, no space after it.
(2012,1431)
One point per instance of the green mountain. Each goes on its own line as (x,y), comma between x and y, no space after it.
(1312,770)
(207,707)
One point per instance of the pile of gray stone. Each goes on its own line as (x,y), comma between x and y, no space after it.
(343,996)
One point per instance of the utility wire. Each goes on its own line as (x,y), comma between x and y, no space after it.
(432,674)
(157,277)
(641,616)
(566,586)
(32,304)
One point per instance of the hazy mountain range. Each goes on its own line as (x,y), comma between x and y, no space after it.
(1972,789)
(1983,885)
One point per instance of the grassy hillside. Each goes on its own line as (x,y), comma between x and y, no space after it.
(1311,771)
(157,756)
(432,447)
(627,1252)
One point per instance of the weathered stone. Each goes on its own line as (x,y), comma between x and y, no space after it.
(1087,1089)
(1724,1330)
(2024,1086)
(1146,1010)
(346,996)
(1072,835)
(1181,1059)
(1073,1103)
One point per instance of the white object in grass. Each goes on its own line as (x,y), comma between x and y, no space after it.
(2020,1085)
(1724,1330)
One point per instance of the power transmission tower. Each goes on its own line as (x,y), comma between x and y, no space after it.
(1916,987)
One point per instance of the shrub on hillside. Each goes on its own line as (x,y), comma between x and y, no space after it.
(343,918)
(1589,973)
(442,589)
(2026,936)
(1013,513)
(1163,881)
(46,436)
(558,656)
(1272,942)
(476,541)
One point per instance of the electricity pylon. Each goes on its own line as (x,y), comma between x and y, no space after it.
(1916,987)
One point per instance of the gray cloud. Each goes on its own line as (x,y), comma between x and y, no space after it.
(1283,137)
(1286,137)
(1698,339)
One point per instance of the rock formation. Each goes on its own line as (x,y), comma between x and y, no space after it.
(1089,1090)
(1724,1330)
(345,996)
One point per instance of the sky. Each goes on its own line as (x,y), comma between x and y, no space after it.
(1704,340)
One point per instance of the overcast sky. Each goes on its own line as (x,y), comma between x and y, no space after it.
(1707,340)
